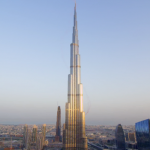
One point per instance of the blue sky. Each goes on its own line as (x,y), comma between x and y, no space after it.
(114,39)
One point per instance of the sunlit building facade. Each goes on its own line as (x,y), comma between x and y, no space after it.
(130,136)
(142,129)
(120,138)
(74,137)
(34,133)
(39,142)
(44,133)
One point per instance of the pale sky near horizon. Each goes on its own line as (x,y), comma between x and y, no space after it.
(114,44)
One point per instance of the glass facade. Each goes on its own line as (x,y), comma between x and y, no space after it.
(142,129)
(120,138)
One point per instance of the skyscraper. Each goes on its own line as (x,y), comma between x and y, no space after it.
(34,133)
(130,136)
(58,126)
(25,132)
(44,133)
(39,141)
(120,138)
(74,137)
(142,129)
(29,139)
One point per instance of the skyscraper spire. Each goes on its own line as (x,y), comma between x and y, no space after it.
(74,137)
(75,30)
(75,15)
(75,6)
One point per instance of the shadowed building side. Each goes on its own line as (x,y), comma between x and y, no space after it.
(25,135)
(58,126)
(142,129)
(120,138)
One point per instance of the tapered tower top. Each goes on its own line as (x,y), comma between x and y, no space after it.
(34,126)
(59,108)
(75,30)
(75,17)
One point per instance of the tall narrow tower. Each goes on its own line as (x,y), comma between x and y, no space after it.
(120,139)
(58,126)
(44,133)
(29,140)
(25,135)
(74,137)
(34,133)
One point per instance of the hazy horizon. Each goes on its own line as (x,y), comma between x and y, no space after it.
(35,57)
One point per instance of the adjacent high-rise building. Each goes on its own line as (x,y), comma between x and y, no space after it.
(58,126)
(74,137)
(25,134)
(120,138)
(130,137)
(39,141)
(34,133)
(29,140)
(142,130)
(44,133)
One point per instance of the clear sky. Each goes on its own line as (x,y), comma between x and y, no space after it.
(114,39)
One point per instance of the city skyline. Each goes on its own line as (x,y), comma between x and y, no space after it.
(114,47)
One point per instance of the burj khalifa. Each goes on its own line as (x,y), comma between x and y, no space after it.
(74,137)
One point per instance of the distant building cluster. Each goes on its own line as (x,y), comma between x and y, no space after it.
(33,139)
